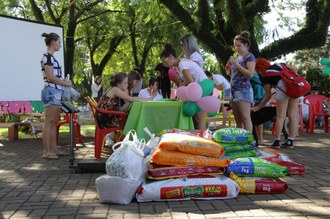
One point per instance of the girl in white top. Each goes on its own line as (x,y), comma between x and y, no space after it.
(191,49)
(195,71)
(189,72)
(152,90)
(220,83)
(97,88)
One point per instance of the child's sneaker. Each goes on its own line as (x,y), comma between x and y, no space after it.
(276,144)
(287,144)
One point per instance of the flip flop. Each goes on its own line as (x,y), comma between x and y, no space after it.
(62,153)
(52,157)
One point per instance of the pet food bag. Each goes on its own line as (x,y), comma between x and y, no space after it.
(178,158)
(257,185)
(230,148)
(159,172)
(219,187)
(276,157)
(190,144)
(240,154)
(293,167)
(233,135)
(258,167)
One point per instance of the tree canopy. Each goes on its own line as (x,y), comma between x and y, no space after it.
(104,37)
(216,23)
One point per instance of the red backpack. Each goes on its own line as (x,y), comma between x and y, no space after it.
(296,85)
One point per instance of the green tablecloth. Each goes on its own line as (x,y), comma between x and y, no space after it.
(157,116)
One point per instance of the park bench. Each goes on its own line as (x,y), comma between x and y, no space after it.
(13,128)
(32,110)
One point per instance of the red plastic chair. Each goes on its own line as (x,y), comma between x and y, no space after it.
(76,128)
(100,133)
(314,102)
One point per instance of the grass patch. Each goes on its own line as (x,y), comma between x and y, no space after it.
(86,130)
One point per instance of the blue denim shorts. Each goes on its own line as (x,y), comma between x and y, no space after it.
(245,95)
(280,95)
(51,96)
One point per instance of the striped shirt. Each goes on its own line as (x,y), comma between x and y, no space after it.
(49,59)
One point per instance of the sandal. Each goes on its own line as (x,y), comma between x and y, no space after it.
(53,157)
(261,142)
(62,153)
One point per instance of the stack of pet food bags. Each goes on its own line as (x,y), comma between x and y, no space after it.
(253,175)
(236,142)
(257,176)
(184,167)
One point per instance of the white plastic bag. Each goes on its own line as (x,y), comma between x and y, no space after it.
(151,144)
(113,189)
(70,93)
(127,159)
(74,93)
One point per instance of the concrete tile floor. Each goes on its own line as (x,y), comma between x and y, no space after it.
(32,187)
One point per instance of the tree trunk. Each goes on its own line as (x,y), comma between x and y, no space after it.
(70,45)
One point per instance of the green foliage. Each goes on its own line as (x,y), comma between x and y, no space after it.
(146,25)
(309,58)
(220,24)
(307,61)
(322,82)
(210,62)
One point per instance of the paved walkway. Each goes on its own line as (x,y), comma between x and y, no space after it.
(31,187)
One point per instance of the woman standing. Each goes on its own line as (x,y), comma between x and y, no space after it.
(97,88)
(51,95)
(285,105)
(191,49)
(242,70)
(189,71)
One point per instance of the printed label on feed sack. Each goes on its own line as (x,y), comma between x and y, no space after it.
(179,192)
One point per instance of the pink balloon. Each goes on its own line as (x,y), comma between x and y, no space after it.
(171,72)
(215,92)
(209,104)
(194,91)
(181,93)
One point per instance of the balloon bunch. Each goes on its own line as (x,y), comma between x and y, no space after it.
(197,98)
(326,63)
